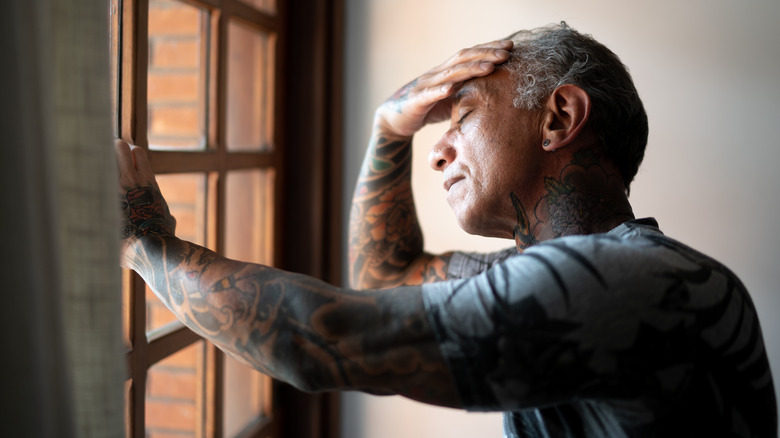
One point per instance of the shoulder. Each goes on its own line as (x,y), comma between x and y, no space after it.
(632,249)
(634,263)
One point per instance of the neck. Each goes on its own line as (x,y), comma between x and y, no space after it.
(587,197)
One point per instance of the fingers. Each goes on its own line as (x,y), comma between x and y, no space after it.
(468,63)
(133,164)
(473,62)
(497,44)
(467,70)
(494,51)
(424,100)
(142,164)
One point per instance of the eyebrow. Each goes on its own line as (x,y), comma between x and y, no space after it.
(466,90)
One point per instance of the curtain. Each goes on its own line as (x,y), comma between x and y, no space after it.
(60,313)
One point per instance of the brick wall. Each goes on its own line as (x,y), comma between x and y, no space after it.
(174,390)
(176,96)
(172,399)
(175,82)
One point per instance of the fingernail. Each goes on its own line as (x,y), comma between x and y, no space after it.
(501,53)
(485,65)
(445,88)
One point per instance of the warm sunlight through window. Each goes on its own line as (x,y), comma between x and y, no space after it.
(194,81)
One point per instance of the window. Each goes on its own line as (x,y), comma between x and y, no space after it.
(195,82)
(239,103)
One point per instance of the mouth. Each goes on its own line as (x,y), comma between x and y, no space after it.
(448,183)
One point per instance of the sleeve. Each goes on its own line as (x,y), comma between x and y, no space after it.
(555,323)
(469,264)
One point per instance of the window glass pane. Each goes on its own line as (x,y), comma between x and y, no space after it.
(250,88)
(177,75)
(249,211)
(244,396)
(267,6)
(186,197)
(175,392)
(249,237)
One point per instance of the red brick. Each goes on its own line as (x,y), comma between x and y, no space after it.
(175,53)
(153,433)
(185,196)
(173,87)
(170,415)
(171,383)
(185,358)
(152,299)
(174,121)
(181,188)
(158,316)
(186,142)
(150,295)
(186,222)
(177,19)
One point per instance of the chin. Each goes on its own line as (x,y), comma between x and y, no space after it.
(479,226)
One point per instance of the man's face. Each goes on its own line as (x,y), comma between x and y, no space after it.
(491,150)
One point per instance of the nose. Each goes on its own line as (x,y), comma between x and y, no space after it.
(442,154)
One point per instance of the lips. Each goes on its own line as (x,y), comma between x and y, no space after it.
(449,182)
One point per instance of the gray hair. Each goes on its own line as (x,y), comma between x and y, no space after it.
(545,58)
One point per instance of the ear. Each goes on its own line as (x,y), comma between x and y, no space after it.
(567,113)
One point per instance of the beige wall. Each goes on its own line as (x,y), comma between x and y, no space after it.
(708,74)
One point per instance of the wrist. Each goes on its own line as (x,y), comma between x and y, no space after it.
(384,128)
(137,252)
(128,251)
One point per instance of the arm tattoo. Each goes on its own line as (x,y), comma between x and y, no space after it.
(385,235)
(400,96)
(292,327)
(296,328)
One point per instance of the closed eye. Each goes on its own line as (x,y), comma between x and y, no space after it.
(463,117)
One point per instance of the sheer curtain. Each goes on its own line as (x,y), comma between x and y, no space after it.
(60,318)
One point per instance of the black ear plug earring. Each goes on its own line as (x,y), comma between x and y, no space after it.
(546,142)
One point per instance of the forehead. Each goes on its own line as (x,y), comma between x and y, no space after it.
(496,84)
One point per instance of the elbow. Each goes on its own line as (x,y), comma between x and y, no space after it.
(359,280)
(356,282)
(311,379)
(306,386)
(308,365)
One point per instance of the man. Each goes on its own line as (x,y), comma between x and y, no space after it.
(596,324)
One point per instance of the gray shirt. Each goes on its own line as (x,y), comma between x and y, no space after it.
(627,333)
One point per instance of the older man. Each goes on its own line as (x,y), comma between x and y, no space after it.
(595,324)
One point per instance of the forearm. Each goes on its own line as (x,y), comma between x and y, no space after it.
(292,327)
(242,308)
(385,240)
(296,328)
(384,233)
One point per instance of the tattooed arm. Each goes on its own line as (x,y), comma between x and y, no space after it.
(292,327)
(385,239)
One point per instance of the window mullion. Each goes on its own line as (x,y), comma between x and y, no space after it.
(215,391)
(135,52)
(140,355)
(132,96)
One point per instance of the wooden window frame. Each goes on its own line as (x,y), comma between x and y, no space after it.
(308,75)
